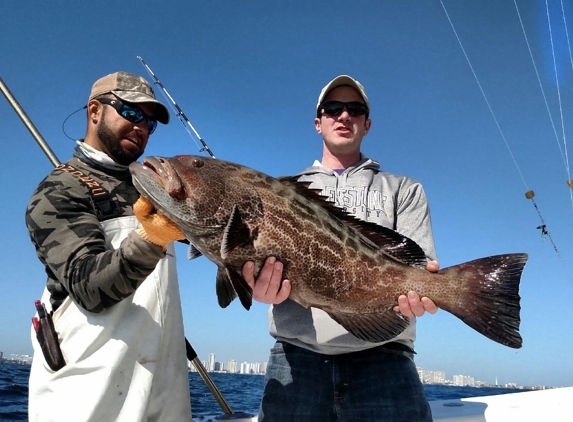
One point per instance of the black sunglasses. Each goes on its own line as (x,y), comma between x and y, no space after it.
(130,112)
(335,108)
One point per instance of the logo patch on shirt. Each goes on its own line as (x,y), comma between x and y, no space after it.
(358,201)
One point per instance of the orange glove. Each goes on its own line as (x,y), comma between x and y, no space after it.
(157,228)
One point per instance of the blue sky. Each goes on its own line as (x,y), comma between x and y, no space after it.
(248,73)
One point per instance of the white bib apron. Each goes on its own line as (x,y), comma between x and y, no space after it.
(126,363)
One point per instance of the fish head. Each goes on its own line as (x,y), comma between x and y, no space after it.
(197,193)
(188,189)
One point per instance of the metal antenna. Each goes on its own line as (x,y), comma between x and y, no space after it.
(182,117)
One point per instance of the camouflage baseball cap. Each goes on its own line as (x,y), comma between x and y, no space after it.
(130,88)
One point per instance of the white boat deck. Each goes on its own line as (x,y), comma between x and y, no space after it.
(553,405)
(539,406)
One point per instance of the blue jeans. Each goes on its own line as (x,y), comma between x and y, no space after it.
(379,384)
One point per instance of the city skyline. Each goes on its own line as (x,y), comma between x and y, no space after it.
(426,376)
(211,365)
(257,368)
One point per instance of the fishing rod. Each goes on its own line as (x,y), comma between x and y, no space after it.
(28,123)
(182,117)
(191,354)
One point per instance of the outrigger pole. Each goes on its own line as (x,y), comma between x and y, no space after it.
(28,123)
(191,354)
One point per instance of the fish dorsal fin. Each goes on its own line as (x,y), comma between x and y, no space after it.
(374,327)
(303,188)
(236,233)
(393,243)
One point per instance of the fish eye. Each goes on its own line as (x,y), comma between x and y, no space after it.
(198,163)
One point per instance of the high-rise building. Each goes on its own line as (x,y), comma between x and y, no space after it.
(211,364)
(463,380)
(232,366)
(245,368)
(431,377)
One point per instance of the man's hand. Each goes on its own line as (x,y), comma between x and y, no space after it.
(157,228)
(412,304)
(266,287)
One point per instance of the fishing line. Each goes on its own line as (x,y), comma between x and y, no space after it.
(558,87)
(567,35)
(179,113)
(529,194)
(564,157)
(569,180)
(539,81)
(484,96)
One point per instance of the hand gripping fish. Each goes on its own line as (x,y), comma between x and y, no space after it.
(351,269)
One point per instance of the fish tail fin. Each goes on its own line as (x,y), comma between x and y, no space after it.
(488,299)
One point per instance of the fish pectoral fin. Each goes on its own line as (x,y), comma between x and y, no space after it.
(225,291)
(193,252)
(241,287)
(374,327)
(236,233)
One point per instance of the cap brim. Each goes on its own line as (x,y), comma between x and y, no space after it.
(161,112)
(339,81)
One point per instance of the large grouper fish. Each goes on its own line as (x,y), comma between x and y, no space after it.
(351,269)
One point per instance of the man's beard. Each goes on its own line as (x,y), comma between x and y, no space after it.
(112,144)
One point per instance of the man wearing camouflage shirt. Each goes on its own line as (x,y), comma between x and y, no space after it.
(112,285)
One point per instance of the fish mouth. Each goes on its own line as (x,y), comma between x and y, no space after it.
(161,172)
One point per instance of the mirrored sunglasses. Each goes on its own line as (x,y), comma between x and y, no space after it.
(130,112)
(335,108)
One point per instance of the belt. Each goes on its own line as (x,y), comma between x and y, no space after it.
(398,347)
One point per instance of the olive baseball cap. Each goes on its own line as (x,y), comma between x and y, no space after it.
(338,81)
(129,88)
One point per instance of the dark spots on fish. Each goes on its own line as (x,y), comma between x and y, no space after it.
(254,234)
(298,205)
(259,184)
(392,273)
(350,243)
(329,226)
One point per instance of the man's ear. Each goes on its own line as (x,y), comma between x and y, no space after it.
(317,125)
(94,109)
(367,125)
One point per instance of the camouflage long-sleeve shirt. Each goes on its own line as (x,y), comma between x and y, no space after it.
(64,225)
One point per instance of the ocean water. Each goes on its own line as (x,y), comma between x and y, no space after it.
(242,393)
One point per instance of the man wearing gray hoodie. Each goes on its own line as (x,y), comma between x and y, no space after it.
(317,370)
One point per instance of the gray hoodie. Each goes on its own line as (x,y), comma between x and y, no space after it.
(392,201)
